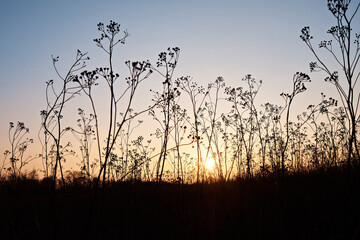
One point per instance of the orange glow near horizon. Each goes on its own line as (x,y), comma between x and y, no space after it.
(209,164)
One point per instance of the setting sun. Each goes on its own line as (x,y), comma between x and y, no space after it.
(209,164)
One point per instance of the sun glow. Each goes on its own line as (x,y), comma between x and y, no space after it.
(210,164)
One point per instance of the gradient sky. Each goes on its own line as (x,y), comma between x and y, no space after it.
(228,38)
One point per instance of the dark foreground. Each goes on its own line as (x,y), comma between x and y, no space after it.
(317,205)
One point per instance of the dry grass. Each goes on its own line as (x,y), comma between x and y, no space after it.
(315,205)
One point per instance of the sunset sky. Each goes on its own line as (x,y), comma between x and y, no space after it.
(228,38)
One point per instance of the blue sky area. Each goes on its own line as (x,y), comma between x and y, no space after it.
(217,38)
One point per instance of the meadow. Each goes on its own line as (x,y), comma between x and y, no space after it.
(321,204)
(192,161)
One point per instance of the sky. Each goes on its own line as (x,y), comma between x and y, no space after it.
(228,38)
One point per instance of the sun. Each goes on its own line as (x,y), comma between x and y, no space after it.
(209,164)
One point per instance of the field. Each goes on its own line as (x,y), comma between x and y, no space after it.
(314,205)
(250,131)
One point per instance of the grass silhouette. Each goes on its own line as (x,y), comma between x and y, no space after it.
(321,204)
(273,177)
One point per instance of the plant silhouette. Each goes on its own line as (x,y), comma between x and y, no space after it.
(275,175)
